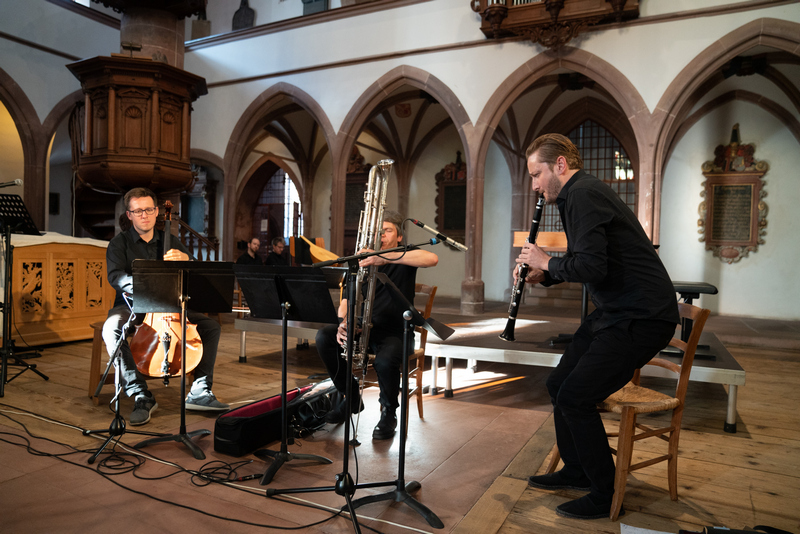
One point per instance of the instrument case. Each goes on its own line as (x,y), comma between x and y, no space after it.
(252,426)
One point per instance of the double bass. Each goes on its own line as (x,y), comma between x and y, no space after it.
(157,344)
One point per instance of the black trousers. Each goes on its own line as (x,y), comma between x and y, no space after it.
(132,381)
(388,349)
(595,365)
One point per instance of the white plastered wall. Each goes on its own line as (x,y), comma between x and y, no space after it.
(763,284)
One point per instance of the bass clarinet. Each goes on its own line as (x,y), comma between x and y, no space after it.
(516,289)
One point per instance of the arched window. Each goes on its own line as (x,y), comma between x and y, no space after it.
(278,212)
(604,157)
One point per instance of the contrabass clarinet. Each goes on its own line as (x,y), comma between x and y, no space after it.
(516,289)
(370,228)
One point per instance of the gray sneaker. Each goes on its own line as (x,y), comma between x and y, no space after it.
(205,402)
(144,405)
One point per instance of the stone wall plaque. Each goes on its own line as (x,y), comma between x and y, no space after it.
(733,216)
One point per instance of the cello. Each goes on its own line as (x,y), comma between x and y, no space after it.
(157,344)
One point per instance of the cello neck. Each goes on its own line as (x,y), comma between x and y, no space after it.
(167,226)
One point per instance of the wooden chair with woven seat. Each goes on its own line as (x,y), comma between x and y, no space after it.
(634,399)
(419,354)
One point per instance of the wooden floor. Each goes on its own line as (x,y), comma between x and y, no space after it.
(734,480)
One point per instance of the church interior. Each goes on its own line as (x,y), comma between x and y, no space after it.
(265,119)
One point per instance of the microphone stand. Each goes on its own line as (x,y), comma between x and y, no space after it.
(117,426)
(344,484)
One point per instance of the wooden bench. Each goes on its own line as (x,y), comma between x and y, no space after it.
(479,341)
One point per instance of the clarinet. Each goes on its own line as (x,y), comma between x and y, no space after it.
(516,289)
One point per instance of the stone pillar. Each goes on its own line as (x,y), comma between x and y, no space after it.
(160,33)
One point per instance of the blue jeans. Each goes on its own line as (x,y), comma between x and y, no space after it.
(595,365)
(132,381)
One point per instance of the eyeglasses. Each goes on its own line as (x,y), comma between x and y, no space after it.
(139,212)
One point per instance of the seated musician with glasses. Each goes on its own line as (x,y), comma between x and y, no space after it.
(386,335)
(143,241)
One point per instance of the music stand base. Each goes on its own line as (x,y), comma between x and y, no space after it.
(115,429)
(14,361)
(279,458)
(402,494)
(184,437)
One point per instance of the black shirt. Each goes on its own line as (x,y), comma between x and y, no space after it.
(387,313)
(128,246)
(246,259)
(275,259)
(608,250)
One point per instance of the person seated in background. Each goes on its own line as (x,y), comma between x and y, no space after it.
(250,256)
(276,256)
(386,336)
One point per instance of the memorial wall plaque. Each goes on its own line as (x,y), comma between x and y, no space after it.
(733,216)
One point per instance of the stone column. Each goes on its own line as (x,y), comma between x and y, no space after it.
(160,33)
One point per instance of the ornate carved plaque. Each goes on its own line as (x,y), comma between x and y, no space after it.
(733,216)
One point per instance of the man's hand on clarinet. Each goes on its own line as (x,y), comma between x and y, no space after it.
(534,257)
(534,276)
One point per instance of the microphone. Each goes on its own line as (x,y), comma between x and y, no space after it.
(18,181)
(456,245)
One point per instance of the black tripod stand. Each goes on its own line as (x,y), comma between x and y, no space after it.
(14,217)
(117,427)
(299,292)
(344,484)
(210,285)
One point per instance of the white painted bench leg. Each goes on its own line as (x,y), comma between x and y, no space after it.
(448,377)
(242,346)
(730,418)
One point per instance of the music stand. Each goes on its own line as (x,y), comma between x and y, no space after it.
(167,287)
(299,294)
(14,218)
(344,484)
(401,493)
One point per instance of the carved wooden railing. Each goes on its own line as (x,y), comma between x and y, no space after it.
(551,23)
(200,247)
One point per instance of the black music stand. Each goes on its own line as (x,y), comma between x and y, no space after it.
(167,287)
(117,428)
(14,218)
(299,294)
(344,484)
(401,493)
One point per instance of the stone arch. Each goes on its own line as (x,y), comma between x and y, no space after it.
(620,89)
(681,94)
(34,147)
(250,122)
(356,119)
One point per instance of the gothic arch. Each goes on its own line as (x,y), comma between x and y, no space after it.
(682,93)
(356,119)
(249,190)
(619,88)
(34,146)
(249,123)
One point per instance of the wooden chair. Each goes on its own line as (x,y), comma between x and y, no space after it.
(419,354)
(634,399)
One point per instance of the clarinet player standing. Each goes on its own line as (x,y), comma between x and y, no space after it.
(635,316)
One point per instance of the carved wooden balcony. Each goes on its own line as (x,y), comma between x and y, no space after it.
(551,23)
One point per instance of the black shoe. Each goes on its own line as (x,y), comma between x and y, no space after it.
(385,427)
(585,508)
(552,481)
(339,415)
(143,405)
